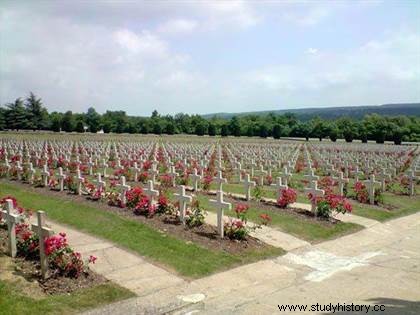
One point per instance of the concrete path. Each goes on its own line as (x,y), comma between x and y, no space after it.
(377,265)
(352,218)
(127,269)
(267,234)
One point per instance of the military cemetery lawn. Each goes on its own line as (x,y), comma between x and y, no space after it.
(187,259)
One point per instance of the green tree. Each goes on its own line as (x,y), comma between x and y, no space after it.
(263,130)
(80,126)
(234,126)
(320,128)
(68,123)
(15,115)
(157,128)
(55,119)
(201,128)
(224,132)
(93,120)
(347,128)
(277,131)
(37,115)
(2,118)
(333,132)
(170,128)
(212,129)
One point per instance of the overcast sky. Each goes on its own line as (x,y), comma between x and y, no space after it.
(208,56)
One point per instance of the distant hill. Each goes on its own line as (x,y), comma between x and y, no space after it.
(357,112)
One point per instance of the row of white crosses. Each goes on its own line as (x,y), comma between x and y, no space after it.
(369,158)
(38,228)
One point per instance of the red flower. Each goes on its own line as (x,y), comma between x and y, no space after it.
(287,197)
(241,208)
(92,259)
(163,201)
(3,200)
(265,218)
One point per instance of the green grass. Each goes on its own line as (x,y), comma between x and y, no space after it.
(189,260)
(405,205)
(311,231)
(12,301)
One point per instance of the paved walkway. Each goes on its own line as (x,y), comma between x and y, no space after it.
(127,269)
(378,265)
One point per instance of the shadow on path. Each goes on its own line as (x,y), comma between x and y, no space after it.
(392,307)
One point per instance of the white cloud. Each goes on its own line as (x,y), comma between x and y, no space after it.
(312,51)
(178,26)
(143,43)
(233,13)
(126,56)
(375,70)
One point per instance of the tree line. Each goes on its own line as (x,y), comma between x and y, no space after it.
(30,114)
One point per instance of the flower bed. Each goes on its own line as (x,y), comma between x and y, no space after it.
(67,269)
(360,193)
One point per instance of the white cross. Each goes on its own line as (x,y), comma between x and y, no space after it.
(118,163)
(357,173)
(43,232)
(370,183)
(45,174)
(285,175)
(104,165)
(248,184)
(90,164)
(80,180)
(279,187)
(7,166)
(123,190)
(311,176)
(19,170)
(173,175)
(252,167)
(330,169)
(31,172)
(150,192)
(61,177)
(183,201)
(136,171)
(154,172)
(11,220)
(195,179)
(412,180)
(239,169)
(220,206)
(341,180)
(315,192)
(100,184)
(383,176)
(219,180)
(263,173)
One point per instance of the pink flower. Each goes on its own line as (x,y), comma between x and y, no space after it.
(287,197)
(241,208)
(92,259)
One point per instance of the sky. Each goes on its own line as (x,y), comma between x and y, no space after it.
(209,56)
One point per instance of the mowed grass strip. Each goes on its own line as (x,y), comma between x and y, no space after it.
(311,231)
(12,301)
(404,205)
(187,259)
